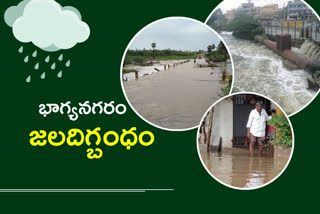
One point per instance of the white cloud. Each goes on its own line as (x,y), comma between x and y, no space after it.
(14,12)
(176,34)
(48,25)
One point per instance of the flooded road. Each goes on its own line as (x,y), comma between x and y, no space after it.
(235,167)
(177,98)
(150,69)
(260,70)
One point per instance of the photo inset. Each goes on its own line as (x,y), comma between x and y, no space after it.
(275,46)
(245,141)
(173,70)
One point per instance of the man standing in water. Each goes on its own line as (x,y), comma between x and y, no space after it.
(256,127)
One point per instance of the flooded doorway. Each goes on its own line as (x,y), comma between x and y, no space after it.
(242,106)
(233,165)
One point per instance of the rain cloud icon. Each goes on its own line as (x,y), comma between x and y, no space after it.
(48,26)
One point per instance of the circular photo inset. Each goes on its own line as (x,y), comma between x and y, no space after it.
(275,48)
(173,70)
(245,141)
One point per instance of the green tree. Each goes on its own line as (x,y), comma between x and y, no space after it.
(245,26)
(153,45)
(217,20)
(209,49)
(223,50)
(213,47)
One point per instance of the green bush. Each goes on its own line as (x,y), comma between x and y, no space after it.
(245,26)
(216,57)
(257,31)
(127,60)
(138,60)
(283,130)
(226,90)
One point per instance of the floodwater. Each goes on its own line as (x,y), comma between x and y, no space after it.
(235,167)
(146,70)
(260,70)
(177,98)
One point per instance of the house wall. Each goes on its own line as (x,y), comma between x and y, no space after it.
(222,124)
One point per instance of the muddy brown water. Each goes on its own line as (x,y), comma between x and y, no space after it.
(235,167)
(177,98)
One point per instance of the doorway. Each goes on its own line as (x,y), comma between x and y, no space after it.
(242,106)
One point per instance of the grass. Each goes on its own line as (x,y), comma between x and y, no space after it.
(136,60)
(125,70)
(226,90)
(218,57)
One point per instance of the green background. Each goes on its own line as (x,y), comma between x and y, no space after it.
(171,162)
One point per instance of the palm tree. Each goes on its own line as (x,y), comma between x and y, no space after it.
(213,46)
(153,45)
(209,49)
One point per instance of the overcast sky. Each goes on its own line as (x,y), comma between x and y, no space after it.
(231,4)
(176,34)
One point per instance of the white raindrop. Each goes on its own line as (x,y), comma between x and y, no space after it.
(59,74)
(47,59)
(20,49)
(68,63)
(26,59)
(53,66)
(60,57)
(43,75)
(36,66)
(35,53)
(28,79)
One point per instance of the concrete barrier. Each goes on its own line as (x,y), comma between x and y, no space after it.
(301,61)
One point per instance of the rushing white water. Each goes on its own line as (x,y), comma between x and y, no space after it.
(310,49)
(260,70)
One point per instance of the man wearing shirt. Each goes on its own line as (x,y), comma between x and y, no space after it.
(256,127)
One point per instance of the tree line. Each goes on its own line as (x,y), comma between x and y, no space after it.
(217,54)
(154,53)
(242,26)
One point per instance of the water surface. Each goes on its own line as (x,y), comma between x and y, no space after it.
(177,98)
(260,70)
(235,167)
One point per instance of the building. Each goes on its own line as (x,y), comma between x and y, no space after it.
(298,10)
(269,11)
(248,8)
(230,14)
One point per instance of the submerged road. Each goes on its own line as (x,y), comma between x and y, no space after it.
(177,98)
